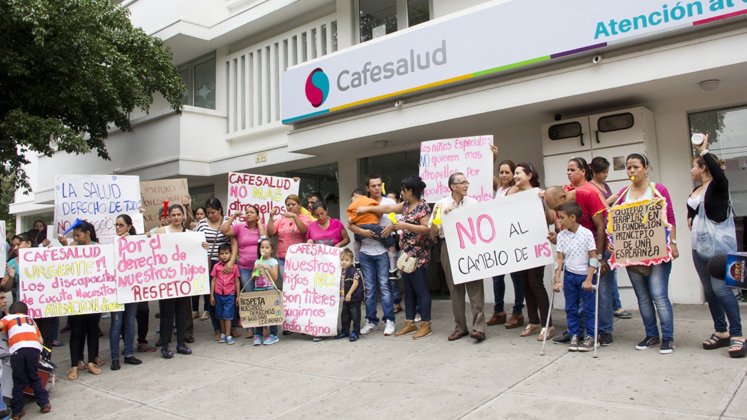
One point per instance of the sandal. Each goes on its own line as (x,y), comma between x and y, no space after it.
(92,368)
(81,365)
(736,348)
(72,374)
(166,353)
(530,329)
(715,342)
(99,361)
(183,349)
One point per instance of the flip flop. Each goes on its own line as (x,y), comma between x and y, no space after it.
(715,342)
(736,348)
(72,374)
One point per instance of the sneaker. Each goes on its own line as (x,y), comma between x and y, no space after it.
(408,328)
(230,340)
(562,338)
(370,326)
(257,340)
(342,335)
(183,349)
(272,339)
(667,346)
(389,328)
(587,344)
(222,338)
(423,331)
(648,342)
(605,339)
(573,346)
(623,314)
(353,337)
(166,353)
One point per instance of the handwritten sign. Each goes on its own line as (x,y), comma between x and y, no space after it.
(163,266)
(72,280)
(311,289)
(469,155)
(98,199)
(154,193)
(259,309)
(266,192)
(497,237)
(639,233)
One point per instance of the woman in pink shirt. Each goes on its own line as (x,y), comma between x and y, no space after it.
(290,228)
(326,230)
(247,235)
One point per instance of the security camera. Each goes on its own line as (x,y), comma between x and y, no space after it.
(597,59)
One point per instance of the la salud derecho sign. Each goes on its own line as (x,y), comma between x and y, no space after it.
(481,41)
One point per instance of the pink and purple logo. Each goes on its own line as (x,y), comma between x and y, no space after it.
(317,87)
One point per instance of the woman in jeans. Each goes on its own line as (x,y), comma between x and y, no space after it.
(651,286)
(711,200)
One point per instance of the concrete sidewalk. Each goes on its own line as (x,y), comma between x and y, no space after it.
(390,378)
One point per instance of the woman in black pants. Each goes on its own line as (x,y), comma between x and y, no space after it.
(83,328)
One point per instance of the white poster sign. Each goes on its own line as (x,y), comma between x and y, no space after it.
(266,192)
(70,280)
(97,199)
(162,266)
(497,237)
(469,155)
(311,289)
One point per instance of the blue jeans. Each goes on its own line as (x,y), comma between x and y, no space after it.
(115,329)
(652,292)
(616,304)
(396,295)
(246,280)
(721,301)
(273,330)
(606,287)
(375,270)
(417,294)
(573,292)
(499,291)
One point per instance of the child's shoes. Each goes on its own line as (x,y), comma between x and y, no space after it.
(341,335)
(230,340)
(257,340)
(353,337)
(272,339)
(222,338)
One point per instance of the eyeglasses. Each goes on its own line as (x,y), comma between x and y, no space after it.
(120,225)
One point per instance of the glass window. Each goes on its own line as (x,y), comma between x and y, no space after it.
(392,168)
(418,11)
(380,17)
(199,76)
(187,78)
(727,132)
(323,179)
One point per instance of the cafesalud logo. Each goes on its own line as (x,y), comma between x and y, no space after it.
(317,87)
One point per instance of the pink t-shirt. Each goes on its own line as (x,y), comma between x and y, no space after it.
(329,236)
(288,233)
(247,239)
(225,284)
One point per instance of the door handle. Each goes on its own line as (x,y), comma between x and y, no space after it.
(581,136)
(596,133)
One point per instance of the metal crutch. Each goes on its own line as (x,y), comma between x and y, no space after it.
(596,313)
(547,323)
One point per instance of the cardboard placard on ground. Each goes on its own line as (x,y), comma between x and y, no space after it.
(154,193)
(71,280)
(497,237)
(259,309)
(469,155)
(161,266)
(266,192)
(639,233)
(98,199)
(311,289)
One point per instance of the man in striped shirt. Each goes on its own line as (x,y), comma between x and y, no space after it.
(25,344)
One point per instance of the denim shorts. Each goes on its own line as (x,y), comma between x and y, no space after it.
(225,306)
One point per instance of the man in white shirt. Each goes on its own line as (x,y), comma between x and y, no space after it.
(374,262)
(459,185)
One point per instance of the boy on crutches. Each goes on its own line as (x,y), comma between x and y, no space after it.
(576,258)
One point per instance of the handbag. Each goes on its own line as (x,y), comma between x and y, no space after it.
(406,263)
(710,238)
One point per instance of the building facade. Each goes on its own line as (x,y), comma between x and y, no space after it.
(436,69)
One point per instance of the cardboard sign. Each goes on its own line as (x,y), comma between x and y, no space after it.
(163,266)
(97,199)
(469,155)
(736,270)
(266,192)
(497,237)
(154,193)
(259,309)
(71,280)
(639,233)
(311,289)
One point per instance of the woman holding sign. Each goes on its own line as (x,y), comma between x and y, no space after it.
(526,177)
(83,328)
(651,283)
(290,228)
(326,230)
(713,233)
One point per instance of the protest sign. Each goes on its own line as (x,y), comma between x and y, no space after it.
(469,155)
(5,255)
(154,193)
(639,233)
(311,289)
(497,237)
(98,199)
(259,309)
(162,266)
(71,280)
(266,192)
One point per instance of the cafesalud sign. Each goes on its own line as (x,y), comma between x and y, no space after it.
(483,41)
